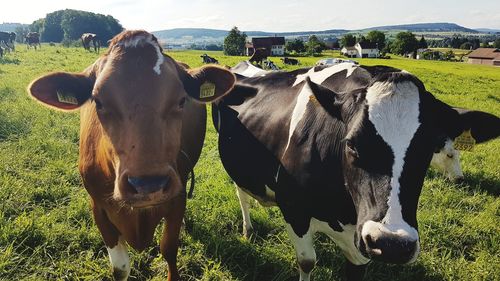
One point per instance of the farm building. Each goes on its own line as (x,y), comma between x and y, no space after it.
(274,45)
(488,56)
(361,50)
(349,52)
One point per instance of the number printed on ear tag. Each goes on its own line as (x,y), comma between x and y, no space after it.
(465,141)
(207,90)
(66,98)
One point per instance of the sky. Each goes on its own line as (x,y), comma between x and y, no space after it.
(266,15)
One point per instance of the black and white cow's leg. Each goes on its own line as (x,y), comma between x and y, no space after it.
(304,249)
(354,272)
(244,199)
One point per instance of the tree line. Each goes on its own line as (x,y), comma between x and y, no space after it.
(68,25)
(403,43)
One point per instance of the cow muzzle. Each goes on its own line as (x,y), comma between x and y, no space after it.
(147,191)
(398,244)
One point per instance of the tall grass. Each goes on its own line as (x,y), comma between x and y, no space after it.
(47,232)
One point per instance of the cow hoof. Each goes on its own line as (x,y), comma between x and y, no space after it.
(248,233)
(119,274)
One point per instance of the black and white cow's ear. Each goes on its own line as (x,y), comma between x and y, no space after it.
(483,126)
(208,83)
(328,99)
(443,117)
(62,90)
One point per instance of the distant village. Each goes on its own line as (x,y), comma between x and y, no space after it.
(457,47)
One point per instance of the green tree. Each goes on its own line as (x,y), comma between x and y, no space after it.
(377,37)
(296,45)
(234,43)
(496,44)
(404,43)
(314,46)
(422,44)
(71,24)
(466,46)
(348,40)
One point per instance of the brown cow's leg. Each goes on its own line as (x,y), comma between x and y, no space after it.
(170,240)
(117,248)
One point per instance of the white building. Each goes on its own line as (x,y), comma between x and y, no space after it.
(367,50)
(349,52)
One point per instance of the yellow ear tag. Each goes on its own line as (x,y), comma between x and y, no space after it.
(66,98)
(314,100)
(465,141)
(207,90)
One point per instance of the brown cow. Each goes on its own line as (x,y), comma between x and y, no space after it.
(88,38)
(142,129)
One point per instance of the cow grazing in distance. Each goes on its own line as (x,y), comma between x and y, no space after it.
(142,129)
(345,155)
(290,61)
(32,39)
(259,55)
(8,39)
(208,59)
(91,38)
(270,65)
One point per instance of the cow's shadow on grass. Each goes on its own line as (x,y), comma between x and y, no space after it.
(246,260)
(472,182)
(5,60)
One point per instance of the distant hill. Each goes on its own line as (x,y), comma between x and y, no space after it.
(426,27)
(9,27)
(487,30)
(178,33)
(186,35)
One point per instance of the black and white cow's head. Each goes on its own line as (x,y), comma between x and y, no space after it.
(392,129)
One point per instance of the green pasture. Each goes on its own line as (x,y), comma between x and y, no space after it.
(47,232)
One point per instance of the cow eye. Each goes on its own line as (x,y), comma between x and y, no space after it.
(182,102)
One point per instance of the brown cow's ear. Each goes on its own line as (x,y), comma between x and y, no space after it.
(209,83)
(61,90)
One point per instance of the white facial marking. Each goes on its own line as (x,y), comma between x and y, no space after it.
(320,76)
(393,108)
(447,160)
(141,40)
(344,239)
(298,111)
(118,255)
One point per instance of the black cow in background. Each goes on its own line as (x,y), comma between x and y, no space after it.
(259,55)
(32,40)
(8,39)
(208,59)
(290,61)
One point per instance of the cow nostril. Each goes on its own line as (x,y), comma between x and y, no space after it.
(149,184)
(449,155)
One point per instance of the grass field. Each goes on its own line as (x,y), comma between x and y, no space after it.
(47,232)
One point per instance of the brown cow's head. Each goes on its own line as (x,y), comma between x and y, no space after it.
(138,95)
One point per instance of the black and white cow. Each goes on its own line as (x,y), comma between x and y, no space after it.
(208,59)
(446,159)
(8,39)
(341,150)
